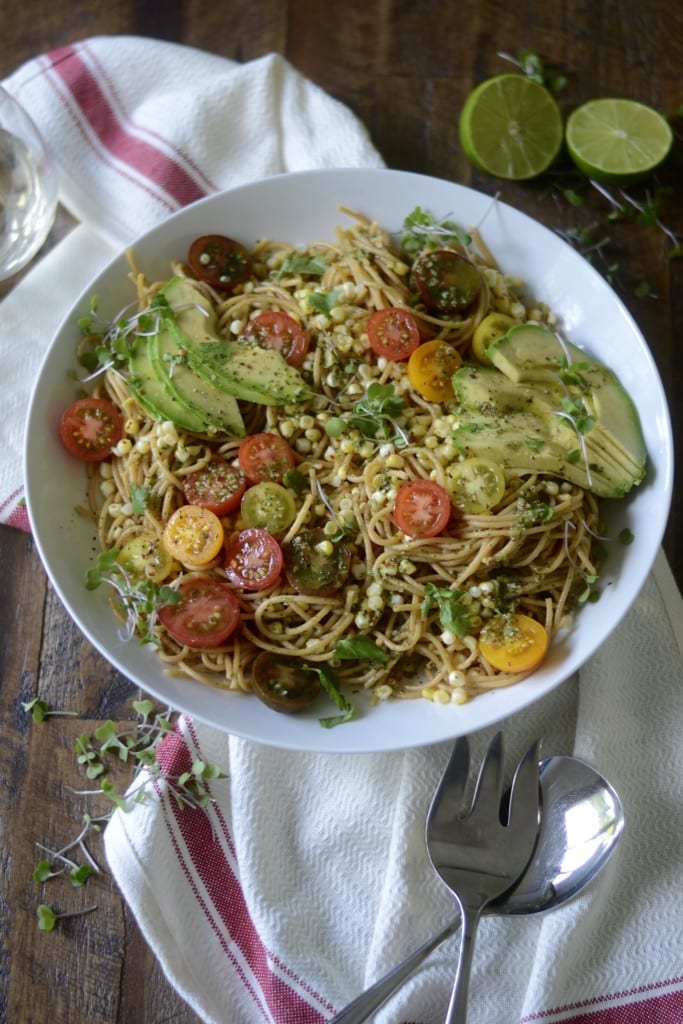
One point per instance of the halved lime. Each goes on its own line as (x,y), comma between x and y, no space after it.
(617,141)
(511,127)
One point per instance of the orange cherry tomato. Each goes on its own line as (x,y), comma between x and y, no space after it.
(280,331)
(90,427)
(193,535)
(431,368)
(513,643)
(422,508)
(393,333)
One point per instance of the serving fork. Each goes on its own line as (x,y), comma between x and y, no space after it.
(482,852)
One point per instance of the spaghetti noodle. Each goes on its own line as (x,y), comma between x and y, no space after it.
(530,553)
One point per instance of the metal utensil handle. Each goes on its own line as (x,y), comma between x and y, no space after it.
(457,1007)
(370,1000)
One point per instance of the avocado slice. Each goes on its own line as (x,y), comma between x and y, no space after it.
(524,412)
(152,394)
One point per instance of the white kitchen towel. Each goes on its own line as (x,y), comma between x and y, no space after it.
(308,876)
(133,148)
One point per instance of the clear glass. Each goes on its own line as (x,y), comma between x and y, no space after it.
(28,187)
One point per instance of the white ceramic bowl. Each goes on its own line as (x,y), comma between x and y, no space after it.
(300,208)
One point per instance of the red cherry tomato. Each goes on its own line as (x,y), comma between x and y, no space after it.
(253,559)
(422,508)
(446,282)
(207,614)
(220,261)
(393,333)
(90,427)
(280,331)
(265,457)
(218,486)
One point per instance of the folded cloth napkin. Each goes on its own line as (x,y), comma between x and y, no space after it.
(307,877)
(133,148)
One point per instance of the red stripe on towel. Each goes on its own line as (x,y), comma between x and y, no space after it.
(116,134)
(210,866)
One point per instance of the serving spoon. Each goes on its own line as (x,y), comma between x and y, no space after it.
(581,821)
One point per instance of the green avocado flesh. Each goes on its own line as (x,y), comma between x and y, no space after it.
(545,407)
(187,374)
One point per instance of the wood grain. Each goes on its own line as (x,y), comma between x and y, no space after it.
(405,67)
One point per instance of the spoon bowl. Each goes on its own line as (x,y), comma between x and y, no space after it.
(581,821)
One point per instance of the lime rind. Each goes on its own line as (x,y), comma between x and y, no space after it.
(511,127)
(617,141)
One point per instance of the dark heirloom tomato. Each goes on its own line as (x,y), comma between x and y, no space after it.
(422,508)
(253,559)
(311,567)
(393,333)
(446,282)
(207,614)
(265,457)
(283,684)
(281,332)
(218,486)
(220,261)
(90,427)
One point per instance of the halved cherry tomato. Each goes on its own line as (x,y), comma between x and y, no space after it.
(207,614)
(492,327)
(314,564)
(90,428)
(220,261)
(445,281)
(393,333)
(218,486)
(145,555)
(513,643)
(422,508)
(265,457)
(475,485)
(283,683)
(269,506)
(431,368)
(253,560)
(193,535)
(274,329)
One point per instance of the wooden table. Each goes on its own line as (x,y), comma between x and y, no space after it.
(405,69)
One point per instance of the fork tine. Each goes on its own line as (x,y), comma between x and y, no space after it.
(525,792)
(489,788)
(447,801)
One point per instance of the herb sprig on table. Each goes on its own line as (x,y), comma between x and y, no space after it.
(100,757)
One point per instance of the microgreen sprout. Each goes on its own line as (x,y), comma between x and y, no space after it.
(536,67)
(39,710)
(48,917)
(140,599)
(421,230)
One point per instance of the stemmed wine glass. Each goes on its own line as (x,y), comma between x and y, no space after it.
(28,187)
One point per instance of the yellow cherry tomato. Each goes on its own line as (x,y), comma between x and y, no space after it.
(513,643)
(145,555)
(492,327)
(475,485)
(193,535)
(431,367)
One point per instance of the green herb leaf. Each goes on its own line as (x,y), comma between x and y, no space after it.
(421,230)
(42,871)
(80,874)
(139,497)
(37,709)
(626,536)
(351,648)
(47,918)
(296,481)
(453,615)
(323,302)
(305,266)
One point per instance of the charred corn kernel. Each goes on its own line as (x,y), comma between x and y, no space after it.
(383,692)
(306,422)
(431,442)
(374,588)
(142,445)
(325,547)
(362,620)
(236,327)
(114,509)
(286,428)
(459,697)
(105,470)
(107,488)
(376,603)
(359,570)
(447,637)
(395,461)
(132,426)
(406,567)
(456,678)
(313,434)
(303,445)
(330,528)
(366,449)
